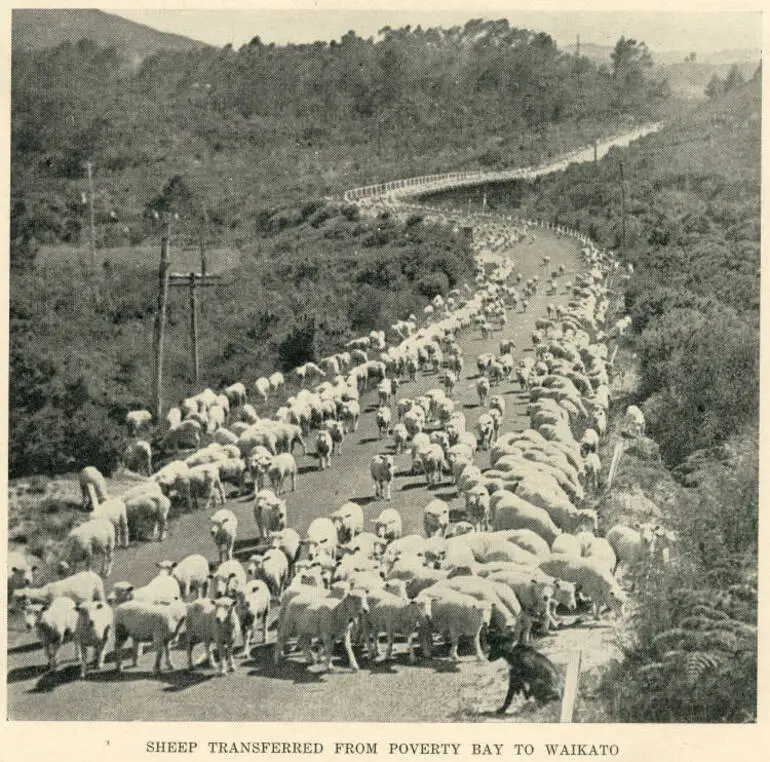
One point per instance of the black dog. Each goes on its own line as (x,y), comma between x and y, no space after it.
(529,672)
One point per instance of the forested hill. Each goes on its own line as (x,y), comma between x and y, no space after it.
(39,28)
(253,143)
(255,127)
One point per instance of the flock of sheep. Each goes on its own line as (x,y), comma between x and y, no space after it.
(522,552)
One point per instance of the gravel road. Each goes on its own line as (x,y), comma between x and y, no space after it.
(432,691)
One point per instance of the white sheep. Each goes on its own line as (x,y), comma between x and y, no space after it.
(224,528)
(227,579)
(388,525)
(137,420)
(272,567)
(81,587)
(323,448)
(253,608)
(93,486)
(396,614)
(95,622)
(137,457)
(148,507)
(330,619)
(158,623)
(321,536)
(457,615)
(55,624)
(192,575)
(114,510)
(95,537)
(21,570)
(349,521)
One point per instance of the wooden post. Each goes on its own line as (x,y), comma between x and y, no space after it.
(193,281)
(194,328)
(622,213)
(160,320)
(202,244)
(92,224)
(570,688)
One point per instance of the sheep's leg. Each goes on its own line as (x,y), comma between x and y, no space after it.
(410,646)
(83,654)
(136,648)
(455,643)
(167,654)
(190,646)
(349,646)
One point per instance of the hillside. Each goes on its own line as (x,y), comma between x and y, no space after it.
(39,28)
(688,79)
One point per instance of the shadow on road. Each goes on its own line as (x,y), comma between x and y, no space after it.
(20,674)
(25,648)
(51,680)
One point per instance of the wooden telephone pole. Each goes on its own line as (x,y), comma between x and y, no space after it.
(622,211)
(193,281)
(160,319)
(92,224)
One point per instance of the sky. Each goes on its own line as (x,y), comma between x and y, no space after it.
(706,30)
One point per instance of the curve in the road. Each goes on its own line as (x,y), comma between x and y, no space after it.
(257,690)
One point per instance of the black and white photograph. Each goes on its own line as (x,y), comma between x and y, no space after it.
(383,364)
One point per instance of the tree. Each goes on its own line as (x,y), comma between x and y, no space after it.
(631,60)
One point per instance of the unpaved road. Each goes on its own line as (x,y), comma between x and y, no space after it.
(432,691)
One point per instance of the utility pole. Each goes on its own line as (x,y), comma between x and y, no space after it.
(160,318)
(622,213)
(92,225)
(202,243)
(193,281)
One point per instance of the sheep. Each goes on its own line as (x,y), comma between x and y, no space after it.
(289,543)
(388,525)
(383,419)
(21,570)
(599,549)
(80,587)
(192,575)
(633,545)
(92,538)
(185,435)
(148,506)
(138,457)
(321,536)
(435,519)
(323,448)
(590,577)
(349,521)
(236,394)
(458,615)
(270,513)
(93,487)
(382,470)
(482,389)
(396,614)
(159,623)
(114,510)
(55,624)
(633,421)
(137,420)
(282,466)
(203,481)
(227,579)
(511,512)
(253,609)
(272,568)
(433,463)
(330,619)
(224,527)
(95,621)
